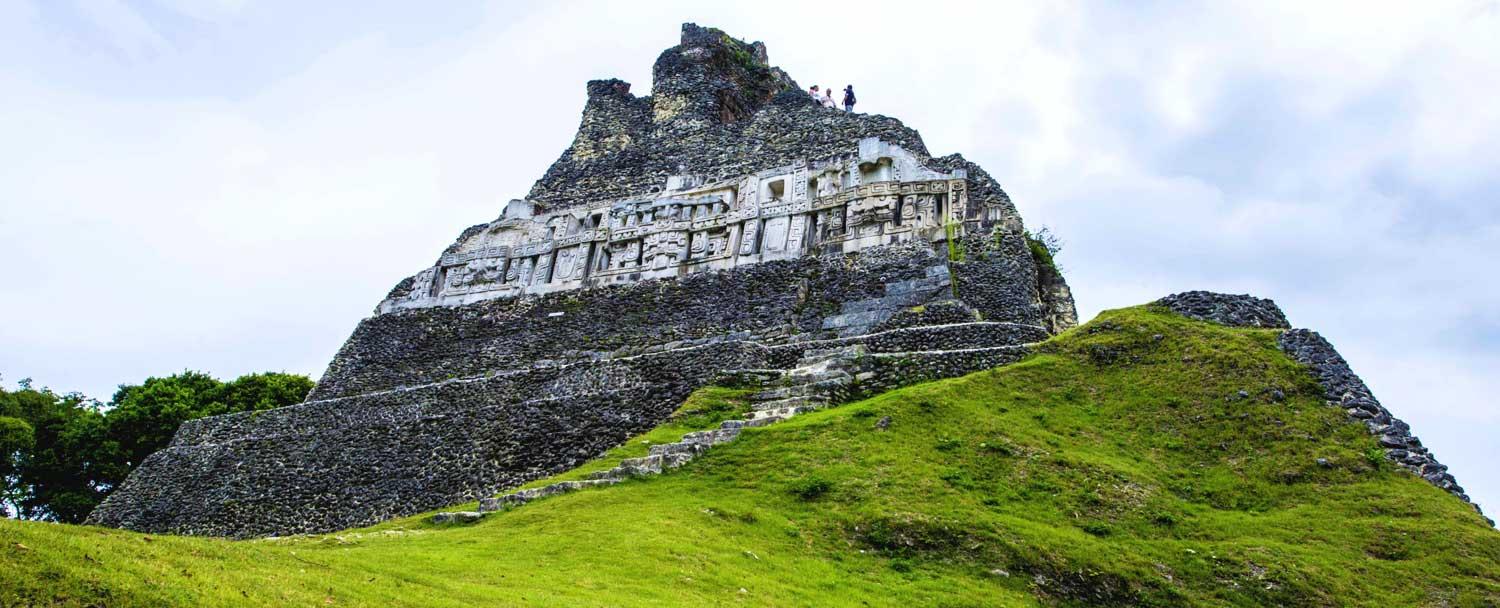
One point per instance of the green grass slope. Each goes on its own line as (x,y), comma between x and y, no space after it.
(1120,466)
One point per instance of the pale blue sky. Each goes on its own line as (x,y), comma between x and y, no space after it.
(230,185)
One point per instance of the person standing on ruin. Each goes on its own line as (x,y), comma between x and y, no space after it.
(827,98)
(815,94)
(849,98)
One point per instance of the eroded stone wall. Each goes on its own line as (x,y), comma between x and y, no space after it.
(331,464)
(771,301)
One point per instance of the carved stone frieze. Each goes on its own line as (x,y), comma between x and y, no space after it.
(842,204)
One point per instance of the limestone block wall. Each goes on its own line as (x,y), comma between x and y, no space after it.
(331,464)
(768,301)
(894,370)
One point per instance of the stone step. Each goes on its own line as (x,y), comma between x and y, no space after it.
(801,401)
(813,387)
(638,466)
(457,517)
(747,376)
(681,447)
(917,286)
(712,437)
(891,302)
(765,421)
(821,387)
(782,413)
(845,353)
(814,373)
(646,465)
(524,496)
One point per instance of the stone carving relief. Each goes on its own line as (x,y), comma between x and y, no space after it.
(799,185)
(868,216)
(745,194)
(564,268)
(624,255)
(748,237)
(699,248)
(543,270)
(805,208)
(796,227)
(775,239)
(458,276)
(483,270)
(421,286)
(513,273)
(523,277)
(828,184)
(718,242)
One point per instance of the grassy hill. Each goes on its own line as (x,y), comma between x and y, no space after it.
(1119,466)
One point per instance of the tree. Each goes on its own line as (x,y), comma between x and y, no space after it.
(253,392)
(142,418)
(16,439)
(60,455)
(53,471)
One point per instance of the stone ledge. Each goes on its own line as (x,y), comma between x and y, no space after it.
(1344,389)
(1227,309)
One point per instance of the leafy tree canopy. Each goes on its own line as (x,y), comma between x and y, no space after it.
(60,455)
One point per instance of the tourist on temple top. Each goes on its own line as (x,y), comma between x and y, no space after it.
(827,98)
(849,98)
(815,94)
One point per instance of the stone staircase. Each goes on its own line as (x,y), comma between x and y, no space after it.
(820,379)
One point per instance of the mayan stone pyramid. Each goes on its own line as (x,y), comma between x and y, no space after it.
(725,222)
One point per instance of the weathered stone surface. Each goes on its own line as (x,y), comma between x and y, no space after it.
(651,258)
(767,301)
(1344,389)
(717,109)
(1059,313)
(1226,309)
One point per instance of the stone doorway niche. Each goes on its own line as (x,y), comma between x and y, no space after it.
(774,190)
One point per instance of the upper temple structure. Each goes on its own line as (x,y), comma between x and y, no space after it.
(879,195)
(726,224)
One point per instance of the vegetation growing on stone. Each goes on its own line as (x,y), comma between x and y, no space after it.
(1143,459)
(702,410)
(1044,245)
(742,57)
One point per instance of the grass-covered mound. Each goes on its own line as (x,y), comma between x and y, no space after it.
(1121,466)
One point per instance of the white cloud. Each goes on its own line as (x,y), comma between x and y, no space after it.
(207,10)
(122,27)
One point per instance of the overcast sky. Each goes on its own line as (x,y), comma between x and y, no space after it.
(230,185)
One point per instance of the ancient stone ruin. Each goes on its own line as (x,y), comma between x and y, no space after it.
(724,222)
(724,227)
(880,195)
